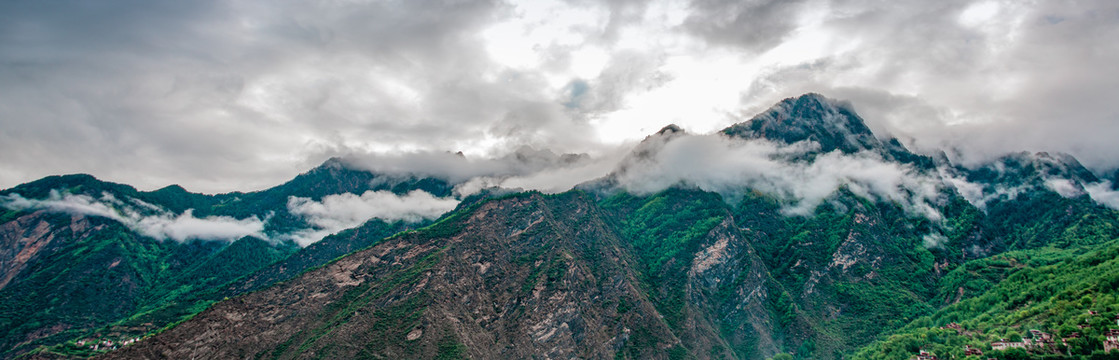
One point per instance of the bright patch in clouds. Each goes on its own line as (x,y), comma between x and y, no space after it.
(525,40)
(979,13)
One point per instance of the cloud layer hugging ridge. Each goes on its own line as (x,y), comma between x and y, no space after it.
(343,211)
(158,224)
(722,164)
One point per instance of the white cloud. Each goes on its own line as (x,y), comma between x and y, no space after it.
(149,221)
(721,164)
(972,192)
(1102,193)
(934,240)
(457,168)
(557,178)
(1064,187)
(185,227)
(89,88)
(343,211)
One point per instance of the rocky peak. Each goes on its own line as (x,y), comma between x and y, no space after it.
(670,129)
(651,145)
(832,124)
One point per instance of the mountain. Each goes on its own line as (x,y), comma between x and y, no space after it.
(507,278)
(83,258)
(68,274)
(330,178)
(719,279)
(847,245)
(1033,169)
(1062,302)
(831,124)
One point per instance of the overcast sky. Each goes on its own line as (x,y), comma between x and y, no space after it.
(242,95)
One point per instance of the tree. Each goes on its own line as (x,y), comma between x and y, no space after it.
(782,356)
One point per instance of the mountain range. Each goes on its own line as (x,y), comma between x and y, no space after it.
(798,233)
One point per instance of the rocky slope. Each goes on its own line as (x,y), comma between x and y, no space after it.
(509,278)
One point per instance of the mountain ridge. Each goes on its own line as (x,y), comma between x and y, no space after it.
(706,274)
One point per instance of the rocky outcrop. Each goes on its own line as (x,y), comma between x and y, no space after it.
(728,288)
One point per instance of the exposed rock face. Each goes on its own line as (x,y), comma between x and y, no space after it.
(30,236)
(44,297)
(514,278)
(740,320)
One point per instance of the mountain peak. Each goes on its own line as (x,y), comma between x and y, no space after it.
(172,189)
(832,124)
(333,163)
(670,129)
(1023,170)
(1046,165)
(77,183)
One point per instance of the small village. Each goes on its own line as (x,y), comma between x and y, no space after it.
(106,344)
(1037,342)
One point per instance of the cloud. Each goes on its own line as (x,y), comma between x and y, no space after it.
(456,167)
(69,203)
(525,168)
(934,240)
(330,215)
(342,211)
(149,221)
(160,92)
(172,89)
(1104,193)
(728,165)
(1064,187)
(185,227)
(549,180)
(754,25)
(970,191)
(975,78)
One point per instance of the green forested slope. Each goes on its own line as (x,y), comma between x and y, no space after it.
(1059,291)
